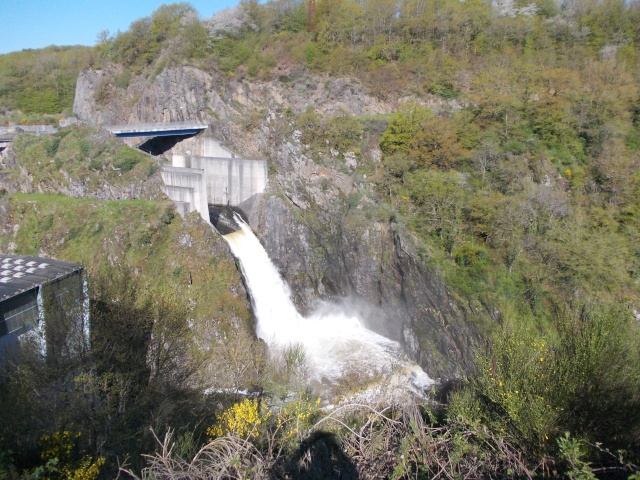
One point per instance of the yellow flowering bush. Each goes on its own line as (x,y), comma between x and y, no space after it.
(72,463)
(60,445)
(298,416)
(242,419)
(88,469)
(582,378)
(515,377)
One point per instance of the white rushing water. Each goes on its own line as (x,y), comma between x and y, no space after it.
(335,343)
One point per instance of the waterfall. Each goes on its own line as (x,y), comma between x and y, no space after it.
(335,343)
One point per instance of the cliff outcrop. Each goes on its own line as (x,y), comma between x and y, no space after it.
(81,162)
(331,239)
(187,93)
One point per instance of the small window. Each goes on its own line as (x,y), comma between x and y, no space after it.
(22,318)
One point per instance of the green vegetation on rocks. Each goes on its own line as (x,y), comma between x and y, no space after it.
(167,304)
(82,161)
(147,237)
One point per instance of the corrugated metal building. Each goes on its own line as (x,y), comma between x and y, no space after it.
(45,301)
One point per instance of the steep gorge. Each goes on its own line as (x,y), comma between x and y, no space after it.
(319,221)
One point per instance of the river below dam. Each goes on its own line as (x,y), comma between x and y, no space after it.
(336,344)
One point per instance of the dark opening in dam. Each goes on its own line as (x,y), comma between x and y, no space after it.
(222,218)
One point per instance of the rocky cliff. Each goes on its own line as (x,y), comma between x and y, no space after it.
(319,221)
(331,240)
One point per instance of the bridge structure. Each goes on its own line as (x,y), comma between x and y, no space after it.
(166,129)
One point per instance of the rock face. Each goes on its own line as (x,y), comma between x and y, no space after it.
(326,246)
(175,95)
(73,178)
(88,105)
(320,224)
(186,93)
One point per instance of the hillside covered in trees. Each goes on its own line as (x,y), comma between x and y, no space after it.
(502,137)
(37,82)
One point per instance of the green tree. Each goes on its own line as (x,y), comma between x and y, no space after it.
(552,116)
(436,144)
(438,198)
(196,39)
(31,100)
(402,129)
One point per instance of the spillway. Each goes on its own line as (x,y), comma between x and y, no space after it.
(335,344)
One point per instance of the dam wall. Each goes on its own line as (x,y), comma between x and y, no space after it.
(202,146)
(185,186)
(195,181)
(227,181)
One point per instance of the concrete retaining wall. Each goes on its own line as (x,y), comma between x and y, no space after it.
(200,146)
(195,181)
(230,181)
(186,187)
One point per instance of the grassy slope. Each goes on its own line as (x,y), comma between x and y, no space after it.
(166,252)
(84,156)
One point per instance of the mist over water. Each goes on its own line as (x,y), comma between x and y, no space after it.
(335,342)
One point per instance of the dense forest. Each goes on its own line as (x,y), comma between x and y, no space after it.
(513,158)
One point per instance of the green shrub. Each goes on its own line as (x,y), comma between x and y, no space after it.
(572,452)
(445,90)
(122,80)
(144,240)
(583,378)
(95,164)
(469,254)
(35,100)
(51,147)
(168,215)
(126,159)
(343,133)
(231,53)
(85,145)
(313,55)
(403,127)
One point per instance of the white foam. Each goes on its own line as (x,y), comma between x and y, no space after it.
(335,343)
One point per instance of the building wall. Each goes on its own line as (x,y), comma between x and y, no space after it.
(52,317)
(63,311)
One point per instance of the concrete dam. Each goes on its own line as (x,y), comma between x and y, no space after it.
(204,173)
